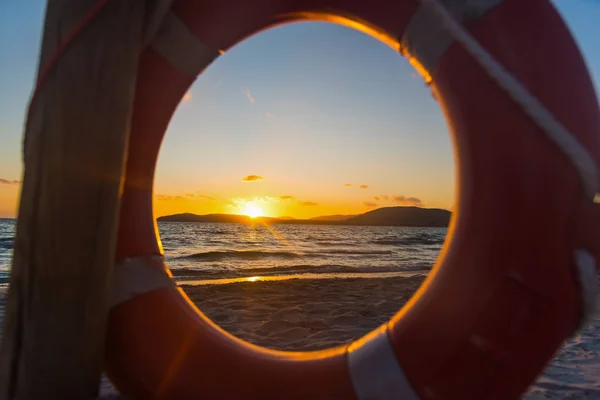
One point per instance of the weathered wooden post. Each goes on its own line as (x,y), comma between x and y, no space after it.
(75,147)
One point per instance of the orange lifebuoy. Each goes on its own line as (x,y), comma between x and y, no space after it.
(503,296)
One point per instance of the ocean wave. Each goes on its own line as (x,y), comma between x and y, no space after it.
(4,276)
(217,255)
(328,269)
(409,241)
(239,254)
(357,252)
(294,270)
(7,243)
(326,243)
(218,232)
(323,238)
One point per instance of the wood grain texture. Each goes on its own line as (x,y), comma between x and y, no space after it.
(74,152)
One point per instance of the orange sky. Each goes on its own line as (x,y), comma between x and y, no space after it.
(257,196)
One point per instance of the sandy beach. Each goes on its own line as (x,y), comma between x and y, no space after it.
(304,314)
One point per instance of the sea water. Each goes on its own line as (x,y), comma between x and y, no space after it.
(220,252)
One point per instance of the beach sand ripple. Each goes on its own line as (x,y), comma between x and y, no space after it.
(304,314)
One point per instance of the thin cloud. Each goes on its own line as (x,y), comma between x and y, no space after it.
(252,178)
(240,201)
(246,93)
(166,197)
(413,201)
(308,203)
(186,197)
(8,182)
(347,184)
(286,198)
(363,186)
(199,196)
(370,204)
(377,198)
(384,197)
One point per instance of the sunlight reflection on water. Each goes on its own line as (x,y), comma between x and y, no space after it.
(365,275)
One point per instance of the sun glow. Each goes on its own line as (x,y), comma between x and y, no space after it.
(252,210)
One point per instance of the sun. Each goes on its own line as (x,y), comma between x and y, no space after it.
(252,210)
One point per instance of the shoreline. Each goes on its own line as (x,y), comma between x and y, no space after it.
(183,280)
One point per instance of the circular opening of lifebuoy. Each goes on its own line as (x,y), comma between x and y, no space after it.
(323,234)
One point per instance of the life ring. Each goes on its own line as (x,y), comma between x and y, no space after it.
(506,291)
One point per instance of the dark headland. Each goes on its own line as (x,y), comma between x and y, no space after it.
(386,216)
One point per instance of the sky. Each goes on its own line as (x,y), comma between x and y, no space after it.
(301,120)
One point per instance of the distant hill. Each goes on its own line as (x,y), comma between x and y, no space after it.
(402,216)
(387,216)
(189,217)
(336,217)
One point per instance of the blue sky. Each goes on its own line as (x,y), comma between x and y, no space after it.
(309,107)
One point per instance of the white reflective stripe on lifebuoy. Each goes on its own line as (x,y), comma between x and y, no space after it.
(374,370)
(135,276)
(427,40)
(588,283)
(181,48)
